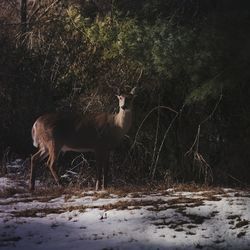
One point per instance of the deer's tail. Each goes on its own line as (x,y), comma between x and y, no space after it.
(34,135)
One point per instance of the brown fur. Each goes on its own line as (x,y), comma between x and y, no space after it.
(100,133)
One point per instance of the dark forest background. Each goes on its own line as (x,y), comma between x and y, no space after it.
(189,58)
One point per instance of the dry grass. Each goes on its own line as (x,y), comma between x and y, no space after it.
(135,191)
(239,224)
(28,199)
(171,224)
(56,191)
(101,195)
(245,194)
(193,187)
(135,200)
(133,204)
(242,223)
(195,218)
(42,212)
(240,234)
(179,204)
(37,212)
(184,200)
(190,221)
(212,195)
(234,217)
(10,191)
(119,205)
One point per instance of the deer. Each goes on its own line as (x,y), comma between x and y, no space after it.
(100,133)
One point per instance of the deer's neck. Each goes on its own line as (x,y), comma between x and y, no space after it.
(123,120)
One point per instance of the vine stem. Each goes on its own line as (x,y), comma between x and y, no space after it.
(146,117)
(162,143)
(195,146)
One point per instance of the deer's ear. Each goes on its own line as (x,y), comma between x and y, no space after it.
(133,91)
(118,97)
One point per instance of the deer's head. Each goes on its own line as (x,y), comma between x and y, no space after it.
(126,100)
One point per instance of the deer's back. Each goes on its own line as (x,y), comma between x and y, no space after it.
(77,131)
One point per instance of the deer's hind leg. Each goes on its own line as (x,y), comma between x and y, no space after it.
(36,159)
(52,161)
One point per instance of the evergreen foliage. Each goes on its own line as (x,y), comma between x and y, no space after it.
(190,56)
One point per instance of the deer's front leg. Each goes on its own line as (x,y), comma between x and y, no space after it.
(102,165)
(98,171)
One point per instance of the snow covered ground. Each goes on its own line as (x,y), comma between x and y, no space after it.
(166,219)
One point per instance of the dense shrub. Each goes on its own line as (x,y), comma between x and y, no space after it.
(190,61)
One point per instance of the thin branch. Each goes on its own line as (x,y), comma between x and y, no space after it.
(48,9)
(213,111)
(162,143)
(197,157)
(140,75)
(196,140)
(156,140)
(146,117)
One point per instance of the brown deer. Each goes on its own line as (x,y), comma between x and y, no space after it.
(100,133)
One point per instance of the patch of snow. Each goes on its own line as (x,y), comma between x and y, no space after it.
(5,183)
(163,220)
